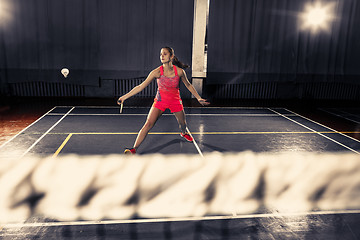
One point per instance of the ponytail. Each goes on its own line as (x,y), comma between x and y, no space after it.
(175,60)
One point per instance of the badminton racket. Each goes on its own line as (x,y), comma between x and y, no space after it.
(121,107)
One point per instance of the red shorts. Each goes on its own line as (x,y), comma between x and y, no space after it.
(174,106)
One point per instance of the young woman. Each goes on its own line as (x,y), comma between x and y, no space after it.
(168,96)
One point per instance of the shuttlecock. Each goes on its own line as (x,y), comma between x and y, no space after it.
(65,72)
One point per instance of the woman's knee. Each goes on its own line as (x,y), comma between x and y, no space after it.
(148,125)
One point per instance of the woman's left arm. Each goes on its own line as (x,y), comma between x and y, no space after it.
(191,88)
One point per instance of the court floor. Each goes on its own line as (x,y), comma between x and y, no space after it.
(265,226)
(103,130)
(100,131)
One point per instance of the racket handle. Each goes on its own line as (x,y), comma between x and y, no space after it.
(121,107)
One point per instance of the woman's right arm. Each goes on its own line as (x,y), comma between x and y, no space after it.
(152,75)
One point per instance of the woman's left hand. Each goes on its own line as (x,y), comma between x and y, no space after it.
(203,102)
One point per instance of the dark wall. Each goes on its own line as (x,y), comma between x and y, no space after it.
(262,41)
(92,38)
(249,42)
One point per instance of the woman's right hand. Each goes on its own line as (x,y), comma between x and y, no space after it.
(121,100)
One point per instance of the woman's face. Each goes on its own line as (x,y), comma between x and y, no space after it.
(165,56)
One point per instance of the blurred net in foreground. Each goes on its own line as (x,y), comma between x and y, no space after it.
(73,188)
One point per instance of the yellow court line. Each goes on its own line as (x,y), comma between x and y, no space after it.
(175,133)
(62,145)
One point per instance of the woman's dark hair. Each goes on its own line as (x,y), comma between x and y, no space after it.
(175,60)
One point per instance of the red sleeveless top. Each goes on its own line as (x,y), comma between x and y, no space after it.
(168,87)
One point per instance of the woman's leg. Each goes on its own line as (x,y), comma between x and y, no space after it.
(152,117)
(180,117)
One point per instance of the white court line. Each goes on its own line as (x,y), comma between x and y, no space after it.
(316,132)
(158,220)
(2,145)
(196,146)
(168,114)
(51,128)
(347,113)
(341,116)
(356,140)
(150,107)
(105,114)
